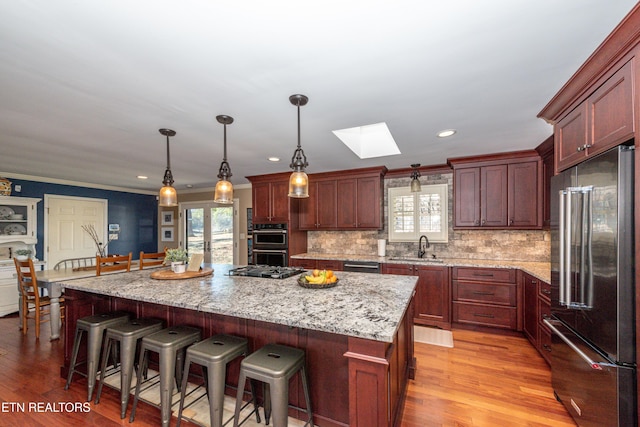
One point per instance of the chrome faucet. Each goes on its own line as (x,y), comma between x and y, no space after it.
(422,247)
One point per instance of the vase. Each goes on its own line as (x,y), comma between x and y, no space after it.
(178,267)
(22,257)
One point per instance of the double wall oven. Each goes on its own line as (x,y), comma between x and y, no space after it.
(271,245)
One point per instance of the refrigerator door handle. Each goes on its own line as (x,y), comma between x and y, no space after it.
(561,234)
(583,356)
(568,208)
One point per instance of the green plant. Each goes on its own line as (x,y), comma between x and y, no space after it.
(176,255)
(23,252)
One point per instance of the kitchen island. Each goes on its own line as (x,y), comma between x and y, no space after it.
(357,336)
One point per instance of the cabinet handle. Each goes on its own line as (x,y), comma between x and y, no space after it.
(476,222)
(483,293)
(490,316)
(547,347)
(483,222)
(483,274)
(511,221)
(546,291)
(546,316)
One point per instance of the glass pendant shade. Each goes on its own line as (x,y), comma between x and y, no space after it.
(224,189)
(168,196)
(415,182)
(298,181)
(224,192)
(298,185)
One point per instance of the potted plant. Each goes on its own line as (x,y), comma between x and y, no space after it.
(23,254)
(176,258)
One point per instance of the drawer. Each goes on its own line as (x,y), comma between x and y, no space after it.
(506,275)
(544,290)
(492,293)
(544,343)
(308,264)
(329,264)
(544,310)
(487,315)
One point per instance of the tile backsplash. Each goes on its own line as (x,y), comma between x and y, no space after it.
(515,245)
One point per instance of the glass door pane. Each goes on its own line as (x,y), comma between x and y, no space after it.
(195,232)
(221,240)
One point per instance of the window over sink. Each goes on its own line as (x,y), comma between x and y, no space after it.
(412,215)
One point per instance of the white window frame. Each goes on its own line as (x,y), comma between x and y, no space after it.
(434,237)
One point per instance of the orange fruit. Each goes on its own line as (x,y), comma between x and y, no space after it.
(316,273)
(329,274)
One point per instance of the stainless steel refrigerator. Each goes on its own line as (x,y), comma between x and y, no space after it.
(593,290)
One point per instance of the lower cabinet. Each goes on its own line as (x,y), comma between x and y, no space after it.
(486,297)
(320,264)
(537,307)
(433,296)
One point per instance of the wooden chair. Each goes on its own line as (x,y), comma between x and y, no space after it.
(112,263)
(34,306)
(151,259)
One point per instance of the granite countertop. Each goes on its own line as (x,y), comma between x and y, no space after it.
(363,305)
(540,270)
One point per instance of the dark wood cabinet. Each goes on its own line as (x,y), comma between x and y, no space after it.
(498,191)
(319,211)
(433,296)
(270,202)
(545,149)
(486,297)
(320,264)
(537,307)
(360,203)
(602,121)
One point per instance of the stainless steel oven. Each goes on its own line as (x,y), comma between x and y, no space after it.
(270,236)
(271,257)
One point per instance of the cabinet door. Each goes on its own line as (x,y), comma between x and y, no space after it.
(467,197)
(611,112)
(346,203)
(330,264)
(261,202)
(433,296)
(308,264)
(308,208)
(400,269)
(570,135)
(280,201)
(524,187)
(368,203)
(326,207)
(530,326)
(493,200)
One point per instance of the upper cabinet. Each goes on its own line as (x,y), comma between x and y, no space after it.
(18,219)
(344,200)
(602,121)
(498,191)
(270,201)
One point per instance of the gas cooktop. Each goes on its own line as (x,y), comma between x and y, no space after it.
(266,271)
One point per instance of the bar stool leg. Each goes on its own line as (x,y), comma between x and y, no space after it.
(280,395)
(74,356)
(183,389)
(307,398)
(127,360)
(167,374)
(216,393)
(94,342)
(141,362)
(103,367)
(241,383)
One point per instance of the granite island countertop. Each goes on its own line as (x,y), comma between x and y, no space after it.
(363,305)
(541,270)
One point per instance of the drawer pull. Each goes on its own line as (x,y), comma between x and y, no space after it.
(546,291)
(483,274)
(547,347)
(483,293)
(490,316)
(546,316)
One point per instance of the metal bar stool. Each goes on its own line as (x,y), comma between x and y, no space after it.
(170,344)
(212,355)
(128,335)
(94,326)
(274,365)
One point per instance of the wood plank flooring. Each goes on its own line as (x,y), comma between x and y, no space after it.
(485,380)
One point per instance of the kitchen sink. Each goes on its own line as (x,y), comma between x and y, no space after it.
(420,260)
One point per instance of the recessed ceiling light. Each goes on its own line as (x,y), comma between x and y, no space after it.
(446,133)
(142,177)
(189,186)
(369,141)
(274,159)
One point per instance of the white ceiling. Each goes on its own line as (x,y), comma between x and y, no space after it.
(85,85)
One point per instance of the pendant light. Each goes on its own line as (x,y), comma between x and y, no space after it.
(168,195)
(224,189)
(415,182)
(298,181)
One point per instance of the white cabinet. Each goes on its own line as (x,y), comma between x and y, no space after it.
(18,230)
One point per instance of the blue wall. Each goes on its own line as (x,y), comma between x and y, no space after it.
(137,214)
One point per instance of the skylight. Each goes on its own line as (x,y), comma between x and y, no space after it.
(369,141)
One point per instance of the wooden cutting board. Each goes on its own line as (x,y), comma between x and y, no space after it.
(170,275)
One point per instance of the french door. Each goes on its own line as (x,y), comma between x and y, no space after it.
(210,229)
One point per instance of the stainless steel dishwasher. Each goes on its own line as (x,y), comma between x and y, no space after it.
(362,266)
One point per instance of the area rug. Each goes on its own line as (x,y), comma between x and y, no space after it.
(433,336)
(198,405)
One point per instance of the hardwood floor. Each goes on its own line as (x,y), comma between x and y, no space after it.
(485,380)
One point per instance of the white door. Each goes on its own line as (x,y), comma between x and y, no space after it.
(64,217)
(210,229)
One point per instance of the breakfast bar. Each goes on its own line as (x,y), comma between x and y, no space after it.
(357,336)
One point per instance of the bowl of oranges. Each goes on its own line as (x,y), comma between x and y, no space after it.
(318,279)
